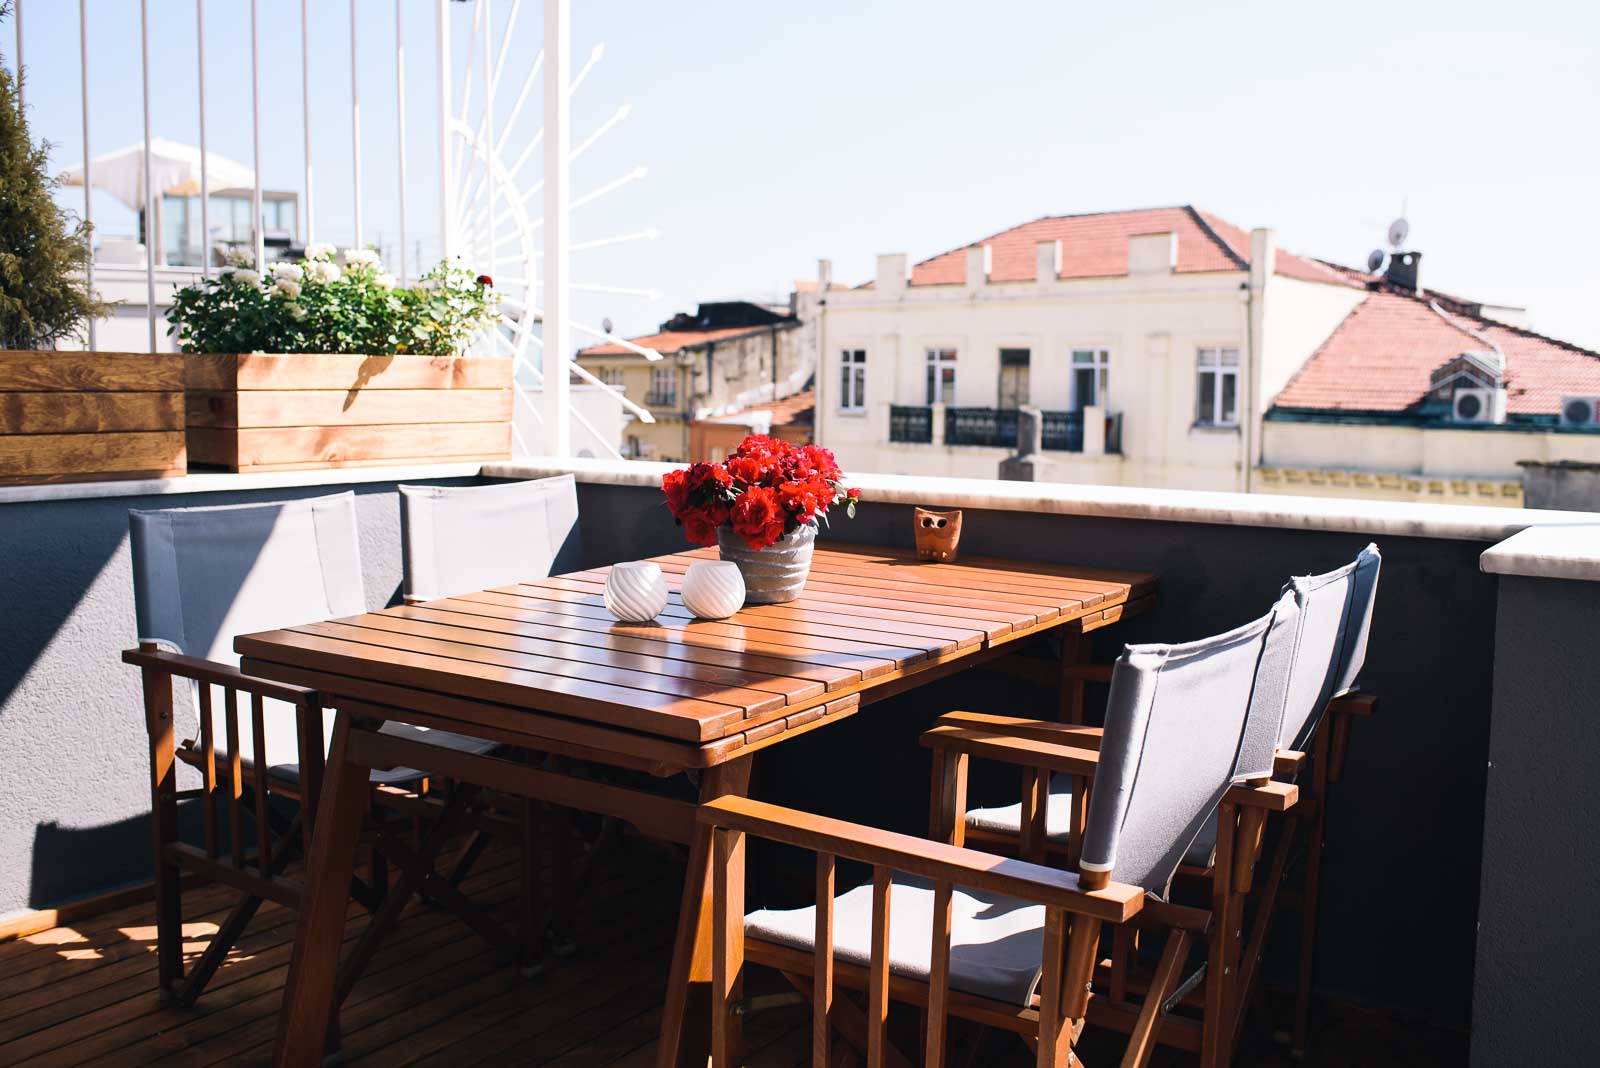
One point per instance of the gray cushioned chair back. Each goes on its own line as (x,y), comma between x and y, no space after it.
(1175,722)
(461,539)
(1336,616)
(202,576)
(1269,696)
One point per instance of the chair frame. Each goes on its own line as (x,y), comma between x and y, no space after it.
(246,786)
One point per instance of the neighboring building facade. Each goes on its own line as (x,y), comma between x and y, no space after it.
(1167,347)
(790,418)
(724,358)
(1152,341)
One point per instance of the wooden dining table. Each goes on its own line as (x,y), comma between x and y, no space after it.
(543,667)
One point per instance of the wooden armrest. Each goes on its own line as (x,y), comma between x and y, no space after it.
(193,667)
(1271,796)
(1042,730)
(1115,903)
(1354,704)
(1288,762)
(1009,749)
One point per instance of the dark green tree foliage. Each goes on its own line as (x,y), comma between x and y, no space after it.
(43,249)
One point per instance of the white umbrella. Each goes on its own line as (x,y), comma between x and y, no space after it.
(174,168)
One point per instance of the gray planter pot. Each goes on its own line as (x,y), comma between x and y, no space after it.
(775,574)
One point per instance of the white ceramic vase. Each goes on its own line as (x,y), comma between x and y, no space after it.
(713,589)
(636,592)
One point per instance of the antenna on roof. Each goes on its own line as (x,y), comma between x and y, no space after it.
(1377,261)
(1398,230)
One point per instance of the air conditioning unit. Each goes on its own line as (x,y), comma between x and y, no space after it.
(1478,405)
(1580,411)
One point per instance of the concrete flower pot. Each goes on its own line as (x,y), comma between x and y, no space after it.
(775,574)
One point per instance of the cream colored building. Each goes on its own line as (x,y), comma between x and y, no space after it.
(722,359)
(1159,346)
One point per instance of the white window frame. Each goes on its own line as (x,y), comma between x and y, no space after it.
(1221,362)
(937,360)
(853,380)
(1100,363)
(613,376)
(664,398)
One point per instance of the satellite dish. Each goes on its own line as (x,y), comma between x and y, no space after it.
(1397,232)
(605,324)
(1377,260)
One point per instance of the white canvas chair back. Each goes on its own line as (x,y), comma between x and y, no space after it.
(1336,616)
(1181,727)
(202,576)
(461,539)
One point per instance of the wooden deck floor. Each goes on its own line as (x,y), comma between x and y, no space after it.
(84,995)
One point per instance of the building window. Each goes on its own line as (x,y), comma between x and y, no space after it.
(941,376)
(1217,388)
(663,387)
(853,380)
(612,376)
(1013,391)
(1091,377)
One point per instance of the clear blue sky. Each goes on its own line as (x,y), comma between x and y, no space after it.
(776,134)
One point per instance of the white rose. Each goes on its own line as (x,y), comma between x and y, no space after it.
(245,276)
(323,271)
(297,311)
(384,281)
(320,251)
(287,287)
(358,257)
(292,271)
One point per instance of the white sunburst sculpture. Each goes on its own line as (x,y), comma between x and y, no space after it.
(491,223)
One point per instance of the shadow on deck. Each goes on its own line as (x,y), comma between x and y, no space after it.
(434,995)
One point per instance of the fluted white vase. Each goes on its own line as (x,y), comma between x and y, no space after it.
(636,592)
(713,589)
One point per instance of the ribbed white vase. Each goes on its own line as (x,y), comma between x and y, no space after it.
(713,589)
(636,592)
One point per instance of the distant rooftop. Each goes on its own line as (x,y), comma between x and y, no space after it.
(711,322)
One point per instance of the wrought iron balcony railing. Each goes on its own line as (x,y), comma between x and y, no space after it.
(911,424)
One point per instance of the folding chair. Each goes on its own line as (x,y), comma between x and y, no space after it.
(1010,943)
(202,576)
(1320,698)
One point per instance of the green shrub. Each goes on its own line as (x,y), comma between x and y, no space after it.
(329,304)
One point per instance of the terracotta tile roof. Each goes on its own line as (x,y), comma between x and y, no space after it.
(1379,358)
(670,342)
(787,411)
(1096,246)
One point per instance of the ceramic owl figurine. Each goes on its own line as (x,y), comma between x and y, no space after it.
(938,534)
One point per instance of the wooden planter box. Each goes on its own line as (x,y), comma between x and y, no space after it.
(88,416)
(270,412)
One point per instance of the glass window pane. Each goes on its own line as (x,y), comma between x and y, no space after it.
(1208,357)
(932,394)
(1230,357)
(860,395)
(1230,414)
(844,387)
(1207,392)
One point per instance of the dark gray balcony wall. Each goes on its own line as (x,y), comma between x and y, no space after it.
(74,770)
(1538,965)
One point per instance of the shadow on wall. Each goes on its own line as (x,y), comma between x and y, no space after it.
(121,853)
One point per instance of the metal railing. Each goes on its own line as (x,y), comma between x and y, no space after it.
(1062,431)
(661,400)
(911,424)
(994,427)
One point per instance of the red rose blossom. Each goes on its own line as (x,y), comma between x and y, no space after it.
(485,280)
(757,517)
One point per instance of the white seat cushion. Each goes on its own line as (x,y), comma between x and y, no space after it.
(1007,819)
(996,942)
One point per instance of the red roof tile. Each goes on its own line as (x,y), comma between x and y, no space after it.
(1096,246)
(1379,359)
(795,408)
(669,342)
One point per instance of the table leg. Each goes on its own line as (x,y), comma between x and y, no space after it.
(686,1016)
(1075,647)
(308,998)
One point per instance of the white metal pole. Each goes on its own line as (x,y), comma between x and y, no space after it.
(355,120)
(16,24)
(205,157)
(557,334)
(149,195)
(486,135)
(255,132)
(442,69)
(400,123)
(305,109)
(88,167)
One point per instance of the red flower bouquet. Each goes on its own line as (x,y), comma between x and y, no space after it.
(767,489)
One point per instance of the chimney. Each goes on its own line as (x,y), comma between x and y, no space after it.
(893,273)
(1153,253)
(1403,270)
(977,266)
(1047,261)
